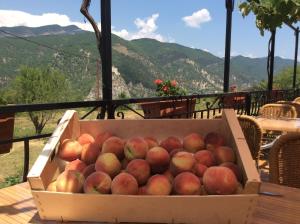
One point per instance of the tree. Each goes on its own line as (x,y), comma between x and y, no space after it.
(271,14)
(40,85)
(283,80)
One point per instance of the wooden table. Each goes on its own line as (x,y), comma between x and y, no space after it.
(17,206)
(288,125)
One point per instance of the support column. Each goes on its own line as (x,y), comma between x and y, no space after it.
(271,54)
(229,7)
(106,54)
(296,57)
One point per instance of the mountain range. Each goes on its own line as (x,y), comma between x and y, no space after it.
(136,63)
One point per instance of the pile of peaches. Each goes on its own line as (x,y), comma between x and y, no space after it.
(107,164)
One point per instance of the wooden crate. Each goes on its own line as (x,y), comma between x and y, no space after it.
(156,209)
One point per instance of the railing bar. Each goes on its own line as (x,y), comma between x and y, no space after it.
(25,138)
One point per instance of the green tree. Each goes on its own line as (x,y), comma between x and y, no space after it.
(271,14)
(283,80)
(40,85)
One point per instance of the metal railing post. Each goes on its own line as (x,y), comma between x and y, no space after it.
(26,160)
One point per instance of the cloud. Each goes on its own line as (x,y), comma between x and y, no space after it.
(11,18)
(146,28)
(197,18)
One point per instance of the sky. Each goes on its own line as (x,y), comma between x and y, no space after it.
(198,24)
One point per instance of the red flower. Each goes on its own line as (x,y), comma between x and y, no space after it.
(173,83)
(158,81)
(165,89)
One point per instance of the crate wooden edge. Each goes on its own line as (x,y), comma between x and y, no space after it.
(70,118)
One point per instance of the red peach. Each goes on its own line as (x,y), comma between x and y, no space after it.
(90,152)
(70,181)
(193,142)
(102,137)
(152,142)
(235,169)
(85,138)
(199,169)
(136,148)
(224,154)
(140,169)
(52,186)
(124,183)
(174,151)
(181,162)
(158,185)
(70,150)
(171,143)
(76,165)
(89,170)
(169,175)
(142,190)
(205,157)
(220,180)
(108,163)
(214,140)
(114,145)
(187,183)
(97,183)
(158,159)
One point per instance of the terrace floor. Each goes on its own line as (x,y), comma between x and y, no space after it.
(17,206)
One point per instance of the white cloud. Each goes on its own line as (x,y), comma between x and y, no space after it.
(146,29)
(197,18)
(11,18)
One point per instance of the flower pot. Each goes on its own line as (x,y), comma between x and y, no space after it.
(6,131)
(169,109)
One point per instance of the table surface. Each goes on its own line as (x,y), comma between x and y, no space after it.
(17,206)
(288,125)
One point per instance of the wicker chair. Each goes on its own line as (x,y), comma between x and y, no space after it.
(253,134)
(284,160)
(278,111)
(297,100)
(296,105)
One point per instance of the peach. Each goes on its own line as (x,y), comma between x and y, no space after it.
(158,185)
(152,142)
(136,148)
(193,142)
(108,163)
(142,190)
(220,180)
(70,181)
(199,169)
(159,159)
(114,145)
(235,169)
(124,183)
(97,183)
(140,169)
(169,175)
(76,165)
(214,140)
(70,150)
(187,183)
(205,157)
(52,186)
(171,143)
(89,170)
(85,138)
(174,151)
(181,162)
(224,154)
(90,153)
(102,137)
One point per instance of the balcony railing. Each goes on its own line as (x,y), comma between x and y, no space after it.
(207,106)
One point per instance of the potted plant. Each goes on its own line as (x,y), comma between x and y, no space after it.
(176,108)
(6,131)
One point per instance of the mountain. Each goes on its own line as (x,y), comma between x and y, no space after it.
(136,63)
(40,31)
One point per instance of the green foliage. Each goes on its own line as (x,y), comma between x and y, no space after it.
(271,14)
(40,85)
(11,180)
(168,88)
(284,80)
